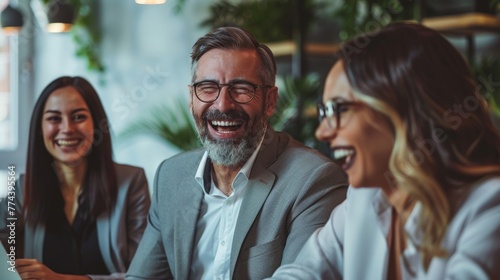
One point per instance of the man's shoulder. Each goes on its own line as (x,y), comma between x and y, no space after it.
(190,156)
(301,153)
(290,147)
(188,159)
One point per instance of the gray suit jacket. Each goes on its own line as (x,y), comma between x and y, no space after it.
(291,191)
(118,232)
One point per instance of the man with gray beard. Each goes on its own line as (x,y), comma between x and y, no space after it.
(248,200)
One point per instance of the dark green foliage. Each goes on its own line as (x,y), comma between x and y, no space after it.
(267,20)
(295,112)
(171,123)
(363,16)
(487,74)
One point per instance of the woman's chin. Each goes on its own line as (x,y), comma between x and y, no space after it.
(71,161)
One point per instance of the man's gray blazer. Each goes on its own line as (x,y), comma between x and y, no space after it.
(291,191)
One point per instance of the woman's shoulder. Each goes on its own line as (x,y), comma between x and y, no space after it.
(484,195)
(485,190)
(486,187)
(127,175)
(124,169)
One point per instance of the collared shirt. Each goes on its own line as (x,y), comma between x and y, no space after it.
(217,221)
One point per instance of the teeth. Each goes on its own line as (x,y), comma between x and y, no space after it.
(341,153)
(67,142)
(225,123)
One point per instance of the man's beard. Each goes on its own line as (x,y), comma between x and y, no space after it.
(230,152)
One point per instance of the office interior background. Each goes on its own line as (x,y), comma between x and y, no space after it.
(140,63)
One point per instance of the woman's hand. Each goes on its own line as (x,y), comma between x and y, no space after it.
(33,269)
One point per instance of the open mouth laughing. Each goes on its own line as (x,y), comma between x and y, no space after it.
(225,126)
(343,156)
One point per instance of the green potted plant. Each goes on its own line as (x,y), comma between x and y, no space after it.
(171,123)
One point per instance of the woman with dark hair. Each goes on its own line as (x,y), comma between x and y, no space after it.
(403,117)
(83,214)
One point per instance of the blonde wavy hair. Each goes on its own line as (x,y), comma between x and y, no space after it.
(445,141)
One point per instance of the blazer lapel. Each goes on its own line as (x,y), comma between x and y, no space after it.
(105,233)
(255,195)
(189,203)
(259,185)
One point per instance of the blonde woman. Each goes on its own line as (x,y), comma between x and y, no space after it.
(402,116)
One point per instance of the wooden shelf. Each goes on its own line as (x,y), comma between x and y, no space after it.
(464,24)
(288,48)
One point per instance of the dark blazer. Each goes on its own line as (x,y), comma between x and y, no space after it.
(291,191)
(118,232)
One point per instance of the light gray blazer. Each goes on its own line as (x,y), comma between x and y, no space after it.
(291,191)
(118,232)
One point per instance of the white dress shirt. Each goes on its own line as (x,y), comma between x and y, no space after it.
(352,245)
(217,222)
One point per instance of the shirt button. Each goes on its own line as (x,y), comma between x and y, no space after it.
(223,243)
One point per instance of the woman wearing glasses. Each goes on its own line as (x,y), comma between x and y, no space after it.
(403,117)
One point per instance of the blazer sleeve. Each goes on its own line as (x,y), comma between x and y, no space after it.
(323,190)
(322,255)
(150,260)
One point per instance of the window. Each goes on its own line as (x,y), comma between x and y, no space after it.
(8,93)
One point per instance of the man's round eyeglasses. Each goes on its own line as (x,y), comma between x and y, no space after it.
(241,92)
(332,110)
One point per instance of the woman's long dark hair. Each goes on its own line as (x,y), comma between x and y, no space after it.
(41,193)
(445,140)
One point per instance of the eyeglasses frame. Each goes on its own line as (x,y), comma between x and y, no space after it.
(255,87)
(321,107)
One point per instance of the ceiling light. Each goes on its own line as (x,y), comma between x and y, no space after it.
(12,20)
(60,15)
(150,2)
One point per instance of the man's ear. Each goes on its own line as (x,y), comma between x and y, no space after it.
(271,100)
(191,93)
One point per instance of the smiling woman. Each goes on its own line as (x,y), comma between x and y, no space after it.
(67,126)
(78,205)
(424,200)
